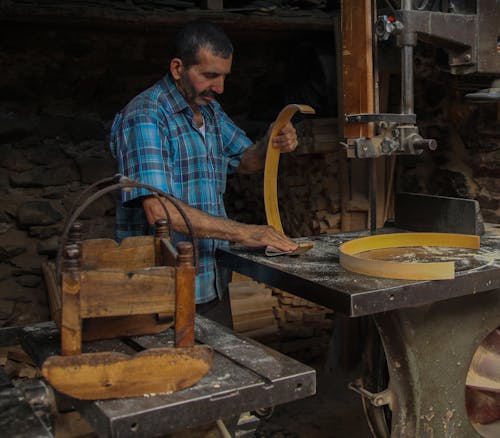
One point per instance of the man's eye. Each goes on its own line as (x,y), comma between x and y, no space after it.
(211,75)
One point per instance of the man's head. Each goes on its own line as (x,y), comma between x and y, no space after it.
(202,57)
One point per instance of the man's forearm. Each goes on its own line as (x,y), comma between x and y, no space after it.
(204,225)
(254,158)
(213,227)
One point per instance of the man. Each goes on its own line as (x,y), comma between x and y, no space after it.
(176,137)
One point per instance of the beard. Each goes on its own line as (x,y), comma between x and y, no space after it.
(190,94)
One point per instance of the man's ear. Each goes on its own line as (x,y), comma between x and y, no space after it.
(176,68)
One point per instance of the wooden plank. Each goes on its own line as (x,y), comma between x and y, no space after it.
(251,305)
(132,253)
(15,352)
(254,315)
(101,328)
(237,277)
(254,324)
(114,293)
(262,332)
(357,64)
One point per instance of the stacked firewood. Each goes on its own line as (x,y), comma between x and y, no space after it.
(252,307)
(304,327)
(317,135)
(16,363)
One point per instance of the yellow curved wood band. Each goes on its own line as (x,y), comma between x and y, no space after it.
(272,161)
(404,270)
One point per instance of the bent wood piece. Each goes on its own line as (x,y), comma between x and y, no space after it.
(403,270)
(91,376)
(271,179)
(272,161)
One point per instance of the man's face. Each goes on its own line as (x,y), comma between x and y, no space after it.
(200,82)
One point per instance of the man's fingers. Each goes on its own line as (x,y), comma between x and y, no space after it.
(265,235)
(286,140)
(281,241)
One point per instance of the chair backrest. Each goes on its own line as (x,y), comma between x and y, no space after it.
(102,278)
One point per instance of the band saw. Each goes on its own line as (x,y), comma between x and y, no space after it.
(432,360)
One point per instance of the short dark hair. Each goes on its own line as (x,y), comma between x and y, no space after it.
(197,35)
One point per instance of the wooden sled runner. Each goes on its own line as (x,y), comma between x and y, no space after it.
(134,288)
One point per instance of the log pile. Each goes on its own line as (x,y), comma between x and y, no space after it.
(16,363)
(252,307)
(309,194)
(304,327)
(317,135)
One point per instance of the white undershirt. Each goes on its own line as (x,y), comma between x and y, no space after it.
(202,130)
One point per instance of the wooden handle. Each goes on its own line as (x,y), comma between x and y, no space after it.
(184,296)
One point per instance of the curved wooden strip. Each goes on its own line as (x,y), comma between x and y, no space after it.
(403,270)
(105,375)
(272,161)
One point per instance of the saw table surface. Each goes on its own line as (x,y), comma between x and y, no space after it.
(245,375)
(317,275)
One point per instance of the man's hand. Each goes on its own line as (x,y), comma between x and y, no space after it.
(286,140)
(265,235)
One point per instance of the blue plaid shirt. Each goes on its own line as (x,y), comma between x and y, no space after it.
(156,141)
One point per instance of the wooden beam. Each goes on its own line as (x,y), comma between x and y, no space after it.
(357,64)
(158,20)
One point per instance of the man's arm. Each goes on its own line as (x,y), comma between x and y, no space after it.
(213,227)
(254,157)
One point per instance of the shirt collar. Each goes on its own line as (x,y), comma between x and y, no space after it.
(175,99)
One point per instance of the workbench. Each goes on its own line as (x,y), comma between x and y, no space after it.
(429,329)
(245,376)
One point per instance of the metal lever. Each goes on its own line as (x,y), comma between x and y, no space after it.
(378,399)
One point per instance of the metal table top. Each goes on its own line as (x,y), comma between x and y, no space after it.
(317,275)
(245,376)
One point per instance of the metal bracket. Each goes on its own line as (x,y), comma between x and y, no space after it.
(455,32)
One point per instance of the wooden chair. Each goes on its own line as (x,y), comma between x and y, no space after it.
(137,287)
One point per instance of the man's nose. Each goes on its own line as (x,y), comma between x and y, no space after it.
(218,85)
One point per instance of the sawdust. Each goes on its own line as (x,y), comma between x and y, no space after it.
(321,267)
